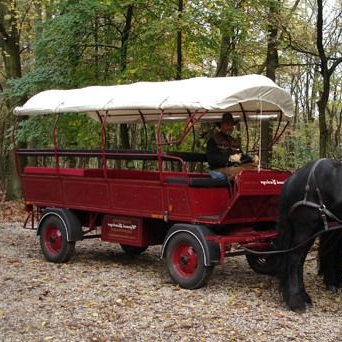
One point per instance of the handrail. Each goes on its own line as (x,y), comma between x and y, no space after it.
(181,157)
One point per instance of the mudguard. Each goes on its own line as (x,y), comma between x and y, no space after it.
(70,221)
(211,250)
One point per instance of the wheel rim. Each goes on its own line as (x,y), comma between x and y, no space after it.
(53,240)
(185,260)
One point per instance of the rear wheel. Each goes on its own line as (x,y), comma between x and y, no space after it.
(133,250)
(53,240)
(263,264)
(185,261)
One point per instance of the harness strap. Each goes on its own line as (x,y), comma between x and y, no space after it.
(320,206)
(312,175)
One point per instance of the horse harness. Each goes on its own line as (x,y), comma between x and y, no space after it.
(320,206)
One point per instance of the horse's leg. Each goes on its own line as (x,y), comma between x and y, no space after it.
(338,260)
(295,295)
(326,260)
(306,297)
(330,260)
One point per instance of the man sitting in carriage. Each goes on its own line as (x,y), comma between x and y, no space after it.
(224,152)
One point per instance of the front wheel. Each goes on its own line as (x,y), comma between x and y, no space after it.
(185,261)
(53,240)
(263,264)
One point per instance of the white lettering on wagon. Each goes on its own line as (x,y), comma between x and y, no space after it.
(272,182)
(122,226)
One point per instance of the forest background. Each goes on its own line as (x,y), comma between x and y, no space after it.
(48,44)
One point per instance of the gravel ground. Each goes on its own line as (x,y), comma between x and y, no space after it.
(104,295)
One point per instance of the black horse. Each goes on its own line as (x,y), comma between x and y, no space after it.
(310,206)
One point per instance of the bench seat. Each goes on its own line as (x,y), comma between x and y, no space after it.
(198,182)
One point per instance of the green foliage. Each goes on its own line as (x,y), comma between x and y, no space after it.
(72,44)
(74,131)
(36,132)
(297,147)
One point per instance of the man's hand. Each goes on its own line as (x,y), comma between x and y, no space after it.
(235,158)
(255,160)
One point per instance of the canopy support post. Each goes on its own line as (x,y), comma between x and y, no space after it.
(103,141)
(55,142)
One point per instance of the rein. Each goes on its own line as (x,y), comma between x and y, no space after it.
(284,251)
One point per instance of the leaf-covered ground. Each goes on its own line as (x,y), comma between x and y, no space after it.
(104,295)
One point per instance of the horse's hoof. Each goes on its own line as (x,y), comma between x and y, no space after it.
(300,310)
(307,299)
(298,306)
(332,288)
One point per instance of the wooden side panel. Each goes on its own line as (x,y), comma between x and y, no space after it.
(42,189)
(178,201)
(209,201)
(137,196)
(83,193)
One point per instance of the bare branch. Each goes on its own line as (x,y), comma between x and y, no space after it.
(333,67)
(100,45)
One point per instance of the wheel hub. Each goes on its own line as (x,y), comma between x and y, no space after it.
(184,260)
(53,239)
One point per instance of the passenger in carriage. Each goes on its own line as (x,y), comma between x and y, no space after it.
(224,153)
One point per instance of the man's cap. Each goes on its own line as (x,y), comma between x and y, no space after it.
(227,117)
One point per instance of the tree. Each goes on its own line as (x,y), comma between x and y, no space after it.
(123,65)
(328,64)
(325,56)
(10,50)
(179,43)
(233,29)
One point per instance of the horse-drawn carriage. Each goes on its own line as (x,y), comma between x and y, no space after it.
(162,196)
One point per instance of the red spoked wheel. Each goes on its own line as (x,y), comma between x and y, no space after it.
(185,261)
(53,240)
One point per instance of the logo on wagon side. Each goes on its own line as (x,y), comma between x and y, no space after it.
(272,182)
(120,225)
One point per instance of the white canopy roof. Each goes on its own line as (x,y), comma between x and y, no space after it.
(253,94)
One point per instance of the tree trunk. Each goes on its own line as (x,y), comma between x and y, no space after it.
(125,37)
(272,64)
(326,73)
(229,39)
(324,93)
(9,45)
(222,65)
(124,134)
(179,42)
